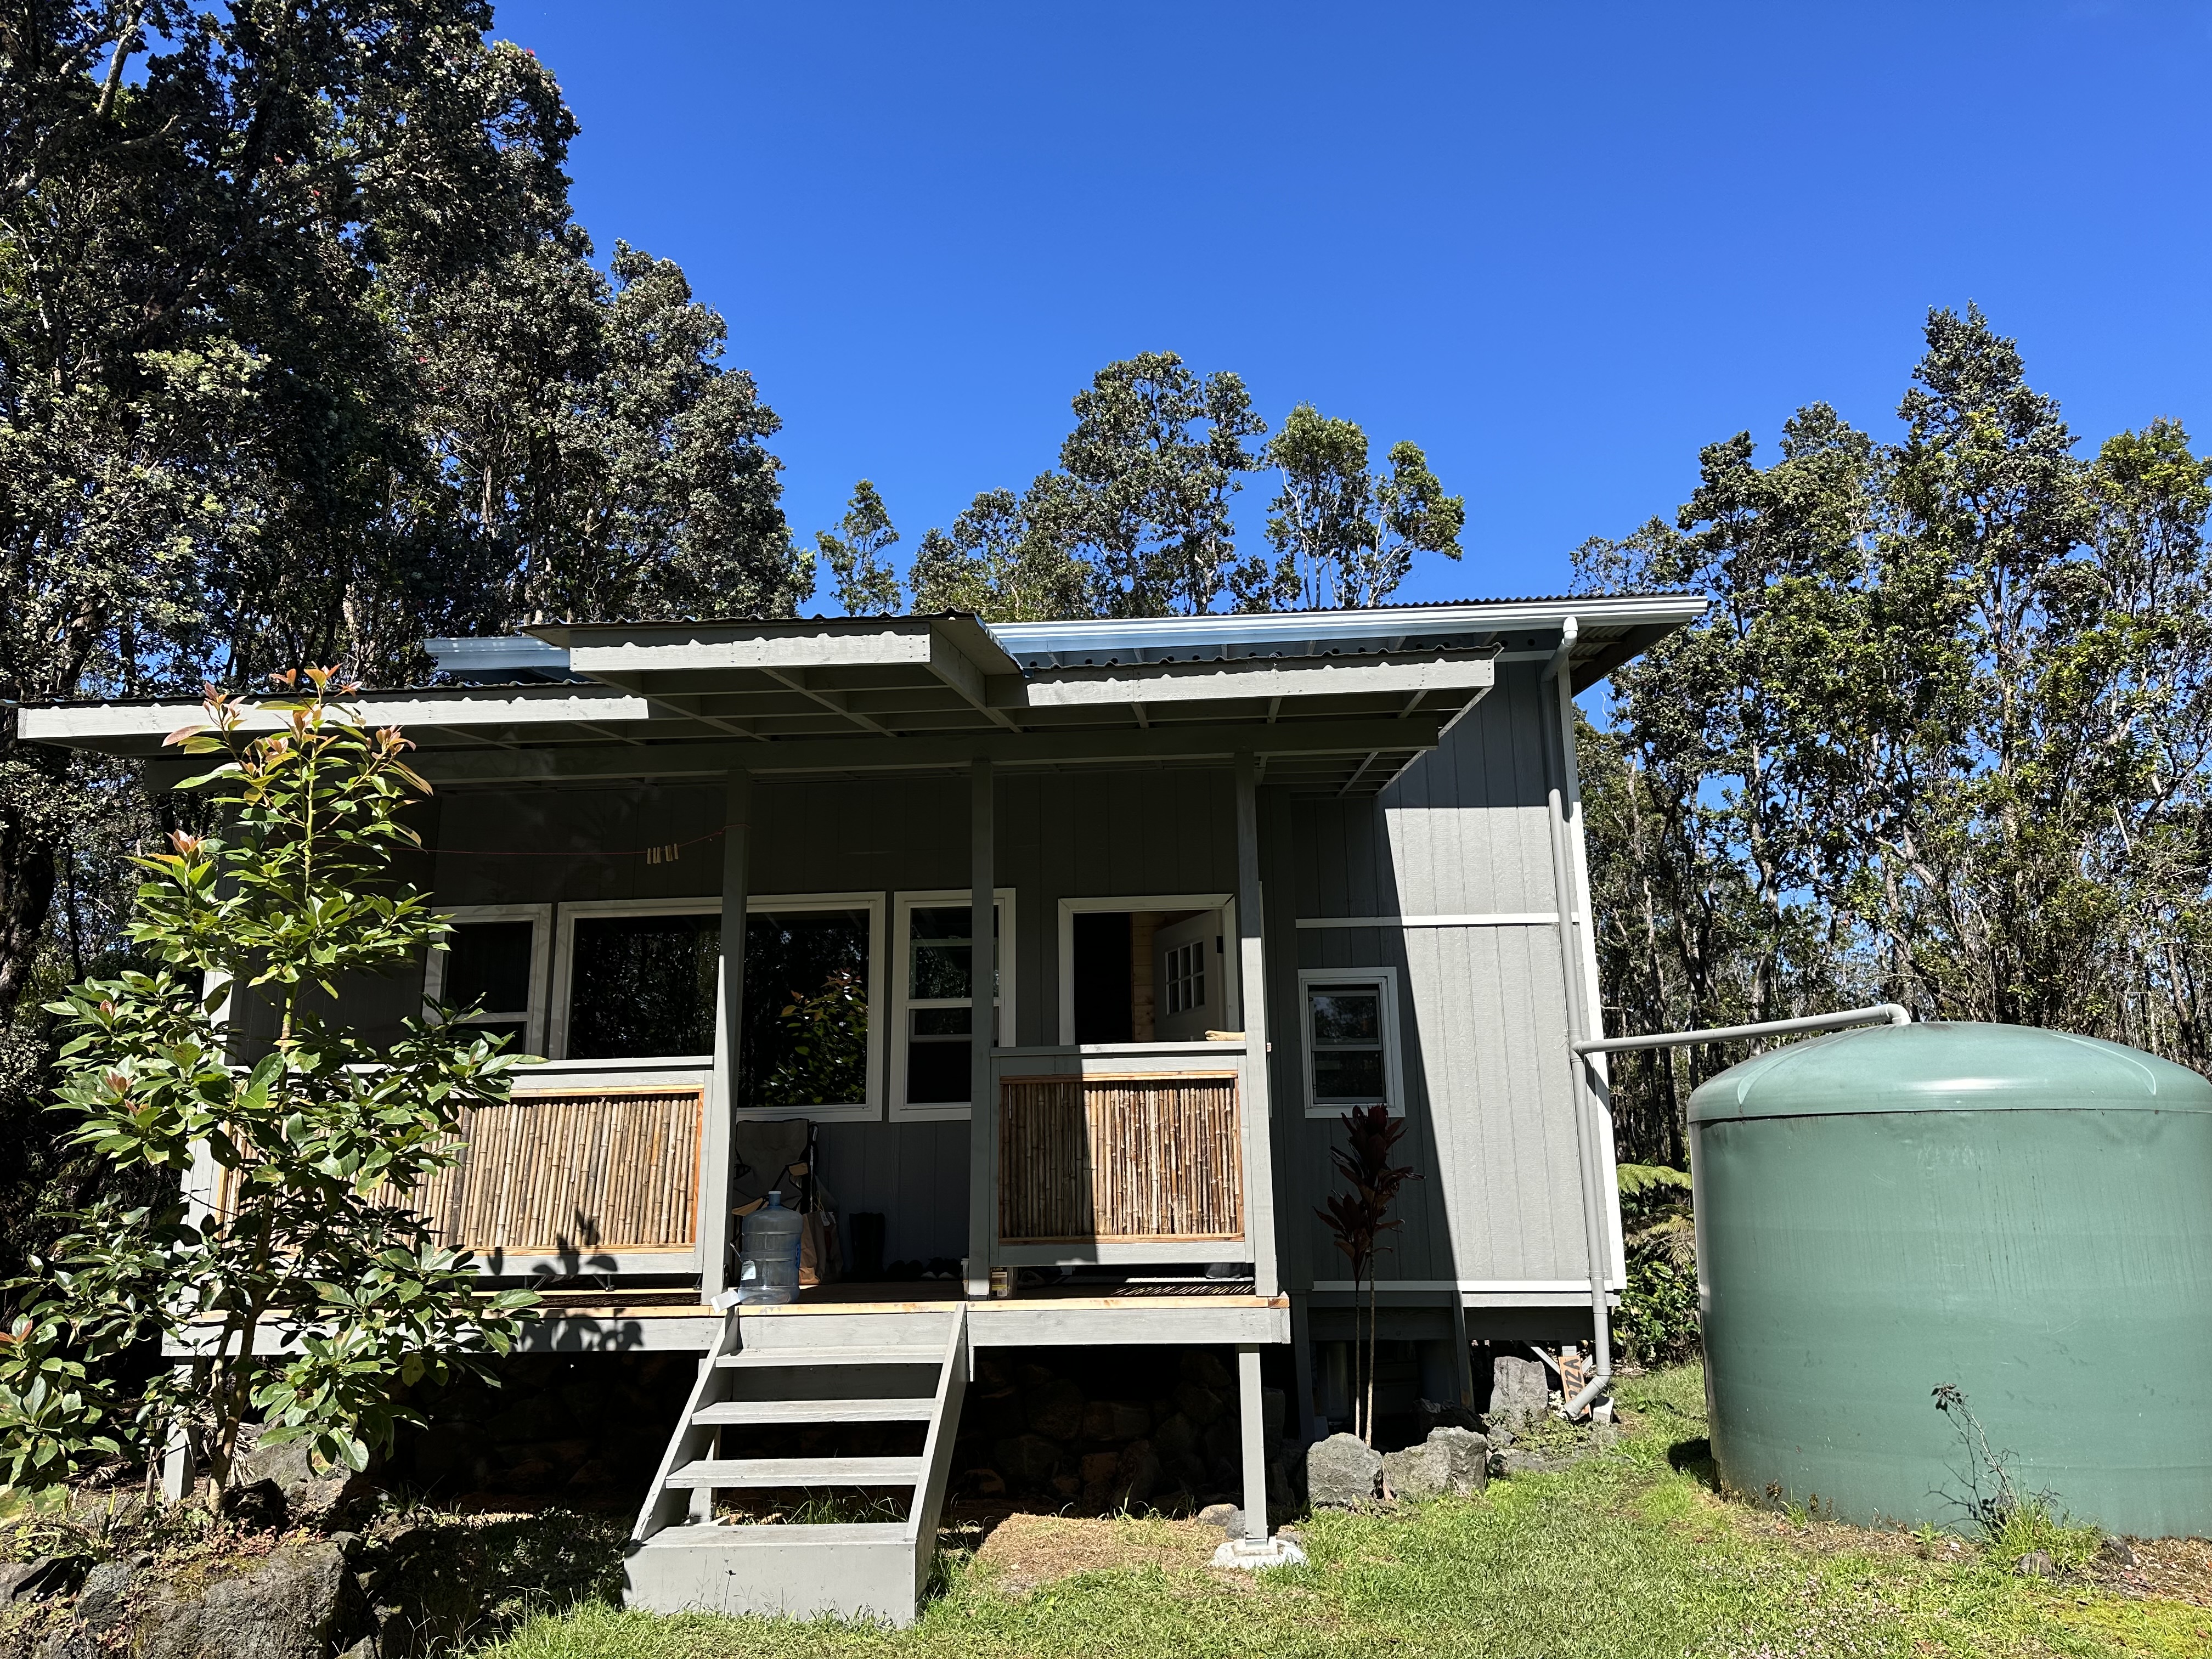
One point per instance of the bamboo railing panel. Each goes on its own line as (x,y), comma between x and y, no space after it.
(1119,1158)
(608,1170)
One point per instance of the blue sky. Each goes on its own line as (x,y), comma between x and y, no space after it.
(1560,246)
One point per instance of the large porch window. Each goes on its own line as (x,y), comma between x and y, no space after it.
(931,1006)
(637,979)
(812,1045)
(640,979)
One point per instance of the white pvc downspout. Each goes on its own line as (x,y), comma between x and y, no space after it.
(1878,1013)
(1586,1085)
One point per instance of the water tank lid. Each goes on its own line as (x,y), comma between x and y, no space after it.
(1948,1067)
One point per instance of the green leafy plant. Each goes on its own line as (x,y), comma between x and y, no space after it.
(826,1056)
(1358,1219)
(311,1287)
(1658,1319)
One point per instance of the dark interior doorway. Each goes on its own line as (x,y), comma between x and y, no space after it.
(1104,1006)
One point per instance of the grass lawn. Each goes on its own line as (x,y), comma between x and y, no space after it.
(1622,1556)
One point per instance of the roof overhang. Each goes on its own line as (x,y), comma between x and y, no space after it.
(1339,700)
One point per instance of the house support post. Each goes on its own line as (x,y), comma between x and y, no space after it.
(1252,1007)
(722,1098)
(1251,1409)
(983,1031)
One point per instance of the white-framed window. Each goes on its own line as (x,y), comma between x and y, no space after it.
(930,1009)
(1167,972)
(495,958)
(814,970)
(637,979)
(1348,1020)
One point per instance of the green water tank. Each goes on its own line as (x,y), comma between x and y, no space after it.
(2021,1214)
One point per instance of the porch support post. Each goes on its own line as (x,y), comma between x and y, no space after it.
(1252,1004)
(1251,1409)
(983,1030)
(722,1098)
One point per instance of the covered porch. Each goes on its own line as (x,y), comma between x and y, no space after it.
(662,845)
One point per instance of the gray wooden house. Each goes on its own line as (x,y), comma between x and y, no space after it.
(1240,873)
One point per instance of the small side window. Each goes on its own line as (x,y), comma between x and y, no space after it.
(1351,1040)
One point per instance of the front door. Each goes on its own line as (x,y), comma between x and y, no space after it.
(1190,994)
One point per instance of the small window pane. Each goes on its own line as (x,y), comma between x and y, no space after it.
(1348,1074)
(805,1009)
(1345,1015)
(643,985)
(941,971)
(941,1022)
(940,921)
(937,1071)
(488,967)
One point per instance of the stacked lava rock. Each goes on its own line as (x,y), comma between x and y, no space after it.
(1108,1431)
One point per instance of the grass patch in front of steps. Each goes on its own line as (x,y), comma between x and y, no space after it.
(1624,1556)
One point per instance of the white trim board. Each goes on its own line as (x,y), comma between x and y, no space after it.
(1480,919)
(1573,1287)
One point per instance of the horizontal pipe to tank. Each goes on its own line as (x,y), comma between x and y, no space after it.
(1881,1013)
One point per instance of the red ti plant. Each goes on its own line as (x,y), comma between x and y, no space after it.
(1359,1218)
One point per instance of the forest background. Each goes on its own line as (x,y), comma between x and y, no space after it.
(303,359)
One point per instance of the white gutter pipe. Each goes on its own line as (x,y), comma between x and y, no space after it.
(1878,1013)
(1594,1199)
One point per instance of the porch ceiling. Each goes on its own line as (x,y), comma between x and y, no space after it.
(1332,700)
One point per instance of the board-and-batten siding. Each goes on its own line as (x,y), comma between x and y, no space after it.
(1482,1010)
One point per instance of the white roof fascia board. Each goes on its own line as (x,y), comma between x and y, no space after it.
(1385,622)
(809,642)
(1242,677)
(626,658)
(553,705)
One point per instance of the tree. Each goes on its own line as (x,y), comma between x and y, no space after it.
(1346,535)
(1944,737)
(1155,458)
(866,586)
(1008,558)
(199,399)
(320,1141)
(589,456)
(301,359)
(1359,1218)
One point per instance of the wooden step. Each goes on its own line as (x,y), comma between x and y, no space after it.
(723,1535)
(861,1570)
(754,1358)
(732,1473)
(917,1409)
